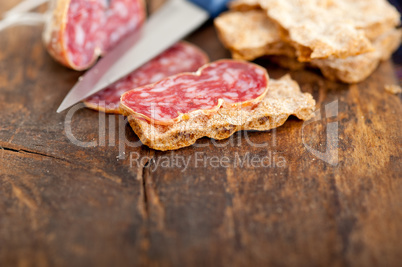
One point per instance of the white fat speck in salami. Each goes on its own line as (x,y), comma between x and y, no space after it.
(183,57)
(79,31)
(224,82)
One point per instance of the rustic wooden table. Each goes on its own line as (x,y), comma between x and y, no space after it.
(67,205)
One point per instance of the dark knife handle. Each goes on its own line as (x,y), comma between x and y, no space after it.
(214,7)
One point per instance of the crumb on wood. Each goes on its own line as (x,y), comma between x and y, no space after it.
(393,89)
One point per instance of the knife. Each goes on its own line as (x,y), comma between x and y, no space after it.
(173,21)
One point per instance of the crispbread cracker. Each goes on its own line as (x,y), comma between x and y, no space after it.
(357,68)
(393,89)
(245,5)
(325,28)
(250,35)
(283,99)
(350,70)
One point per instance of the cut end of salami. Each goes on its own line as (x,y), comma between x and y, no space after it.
(79,31)
(181,57)
(228,83)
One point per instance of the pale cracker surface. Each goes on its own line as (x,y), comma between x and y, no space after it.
(324,28)
(255,22)
(393,89)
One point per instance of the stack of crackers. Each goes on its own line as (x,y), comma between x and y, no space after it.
(345,39)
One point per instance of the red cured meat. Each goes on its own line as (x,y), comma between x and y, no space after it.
(79,31)
(225,82)
(181,57)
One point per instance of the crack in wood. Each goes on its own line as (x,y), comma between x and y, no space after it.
(143,177)
(153,209)
(30,152)
(144,188)
(344,224)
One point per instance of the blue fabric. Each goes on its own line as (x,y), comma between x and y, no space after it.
(397,57)
(214,7)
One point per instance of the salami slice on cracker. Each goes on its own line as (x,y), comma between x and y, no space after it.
(283,99)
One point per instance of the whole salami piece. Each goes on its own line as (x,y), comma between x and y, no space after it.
(228,83)
(181,57)
(79,31)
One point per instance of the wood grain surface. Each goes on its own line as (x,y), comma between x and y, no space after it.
(67,205)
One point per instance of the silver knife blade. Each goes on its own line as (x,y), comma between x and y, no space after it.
(173,21)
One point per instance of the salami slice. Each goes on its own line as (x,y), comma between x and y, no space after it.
(181,57)
(228,83)
(79,31)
